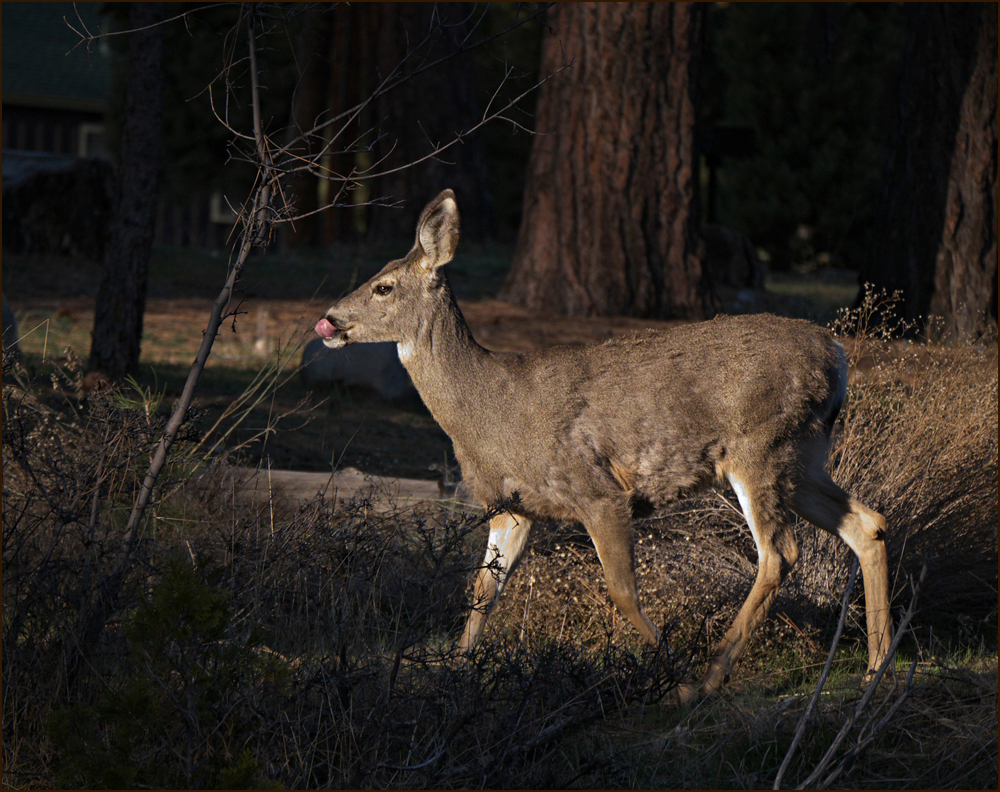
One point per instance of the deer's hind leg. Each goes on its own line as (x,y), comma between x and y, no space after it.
(777,553)
(508,537)
(818,499)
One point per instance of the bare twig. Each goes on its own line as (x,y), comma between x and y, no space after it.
(367,175)
(258,222)
(824,763)
(88,38)
(804,720)
(864,743)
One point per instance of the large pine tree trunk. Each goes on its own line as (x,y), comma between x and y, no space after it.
(121,299)
(427,111)
(936,235)
(965,271)
(609,222)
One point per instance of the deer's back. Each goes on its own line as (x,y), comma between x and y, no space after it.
(657,413)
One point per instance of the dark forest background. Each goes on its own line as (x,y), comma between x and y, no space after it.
(669,152)
(812,83)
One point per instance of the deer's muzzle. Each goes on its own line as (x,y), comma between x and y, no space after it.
(332,335)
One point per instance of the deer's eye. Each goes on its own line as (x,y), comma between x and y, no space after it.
(383,289)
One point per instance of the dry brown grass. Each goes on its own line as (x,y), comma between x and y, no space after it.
(335,665)
(919,444)
(917,441)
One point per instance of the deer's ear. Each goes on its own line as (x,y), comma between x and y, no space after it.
(437,231)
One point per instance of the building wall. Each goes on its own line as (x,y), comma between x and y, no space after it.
(53,131)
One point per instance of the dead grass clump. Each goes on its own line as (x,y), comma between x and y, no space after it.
(919,444)
(951,721)
(942,736)
(690,576)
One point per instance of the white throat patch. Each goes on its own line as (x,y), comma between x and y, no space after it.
(405,350)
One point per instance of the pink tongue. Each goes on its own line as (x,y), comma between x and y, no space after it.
(325,329)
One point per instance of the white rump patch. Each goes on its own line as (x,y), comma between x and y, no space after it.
(744,499)
(494,545)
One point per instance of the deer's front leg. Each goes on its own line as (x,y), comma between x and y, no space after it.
(508,537)
(610,527)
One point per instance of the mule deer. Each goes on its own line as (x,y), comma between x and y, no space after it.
(585,433)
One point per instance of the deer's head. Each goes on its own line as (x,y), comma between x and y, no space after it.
(394,304)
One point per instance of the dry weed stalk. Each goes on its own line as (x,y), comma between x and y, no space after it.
(871,729)
(919,442)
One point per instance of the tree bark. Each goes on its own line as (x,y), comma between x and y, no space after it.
(121,299)
(965,272)
(936,231)
(426,111)
(609,223)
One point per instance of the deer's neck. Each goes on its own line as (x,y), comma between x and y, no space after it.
(450,370)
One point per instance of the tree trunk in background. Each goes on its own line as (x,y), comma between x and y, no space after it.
(121,299)
(308,102)
(610,224)
(936,232)
(965,272)
(429,110)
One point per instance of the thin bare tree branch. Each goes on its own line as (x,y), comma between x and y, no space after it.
(368,174)
(88,38)
(257,220)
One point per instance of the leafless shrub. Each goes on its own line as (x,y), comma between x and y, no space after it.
(329,659)
(919,444)
(68,473)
